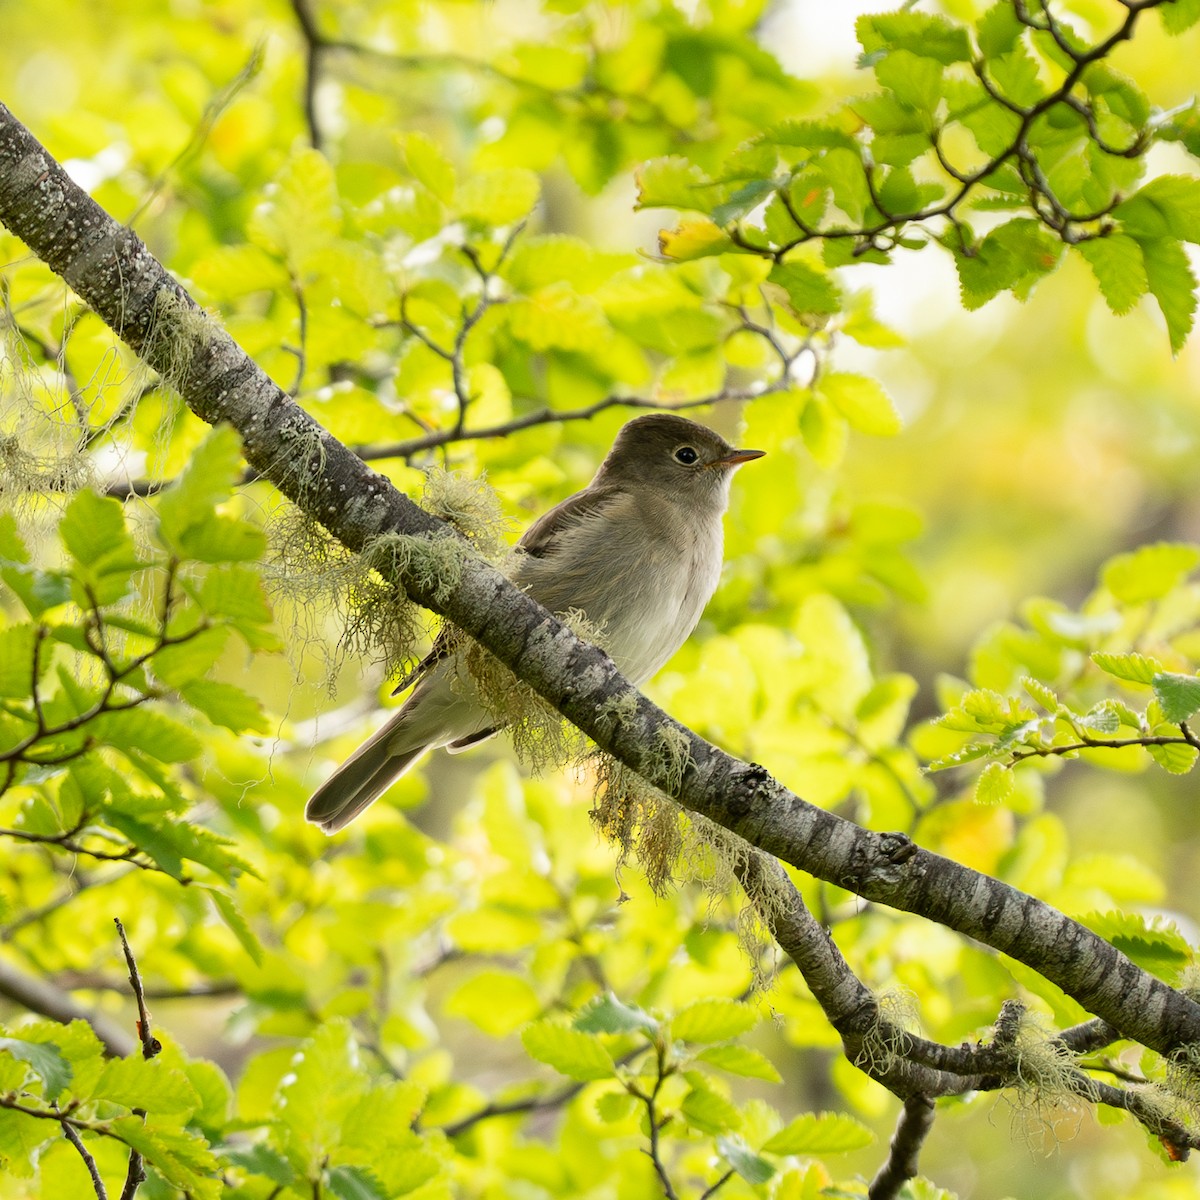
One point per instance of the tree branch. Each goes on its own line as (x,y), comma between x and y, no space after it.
(916,1120)
(113,271)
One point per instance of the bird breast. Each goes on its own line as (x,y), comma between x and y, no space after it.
(642,571)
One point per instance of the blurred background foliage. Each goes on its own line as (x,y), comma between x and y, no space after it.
(313,173)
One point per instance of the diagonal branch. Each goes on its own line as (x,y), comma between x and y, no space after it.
(113,271)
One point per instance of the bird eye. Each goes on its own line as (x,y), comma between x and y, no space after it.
(686,455)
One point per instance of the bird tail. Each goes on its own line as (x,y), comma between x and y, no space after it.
(361,779)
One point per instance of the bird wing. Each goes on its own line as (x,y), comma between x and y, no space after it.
(541,539)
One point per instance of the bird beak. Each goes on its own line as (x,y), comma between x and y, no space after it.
(737,458)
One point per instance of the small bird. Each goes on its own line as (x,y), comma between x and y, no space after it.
(638,551)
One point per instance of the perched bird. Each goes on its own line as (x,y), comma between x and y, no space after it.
(638,551)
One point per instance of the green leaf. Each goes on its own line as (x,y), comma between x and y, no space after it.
(607,1014)
(324,1083)
(1179,16)
(1149,572)
(136,1082)
(429,164)
(44,1059)
(182,1158)
(37,589)
(260,1159)
(227,705)
(498,1002)
(299,214)
(1172,283)
(862,401)
(995,785)
(708,1111)
(1167,206)
(692,238)
(93,531)
(1154,943)
(570,1052)
(712,1021)
(1134,668)
(927,36)
(1179,695)
(820,1133)
(750,1166)
(1177,758)
(188,660)
(17,647)
(499,197)
(998,30)
(1119,267)
(672,182)
(147,731)
(238,925)
(355,1183)
(808,289)
(741,1060)
(204,483)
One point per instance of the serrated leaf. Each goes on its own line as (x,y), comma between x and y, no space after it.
(995,785)
(204,483)
(671,182)
(181,1157)
(607,1014)
(44,1059)
(299,213)
(1178,758)
(93,531)
(750,1166)
(260,1159)
(808,290)
(226,705)
(1045,696)
(712,1021)
(708,1111)
(820,1133)
(237,923)
(1179,695)
(499,197)
(929,36)
(570,1052)
(148,732)
(616,1106)
(1167,206)
(17,646)
(1135,668)
(355,1183)
(1103,718)
(1172,282)
(326,1080)
(862,401)
(136,1082)
(1149,572)
(1119,267)
(741,1060)
(1154,943)
(1179,16)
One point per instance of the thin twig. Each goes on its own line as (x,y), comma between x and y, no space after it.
(916,1120)
(72,1136)
(136,1174)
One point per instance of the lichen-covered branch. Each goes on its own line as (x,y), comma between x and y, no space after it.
(115,273)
